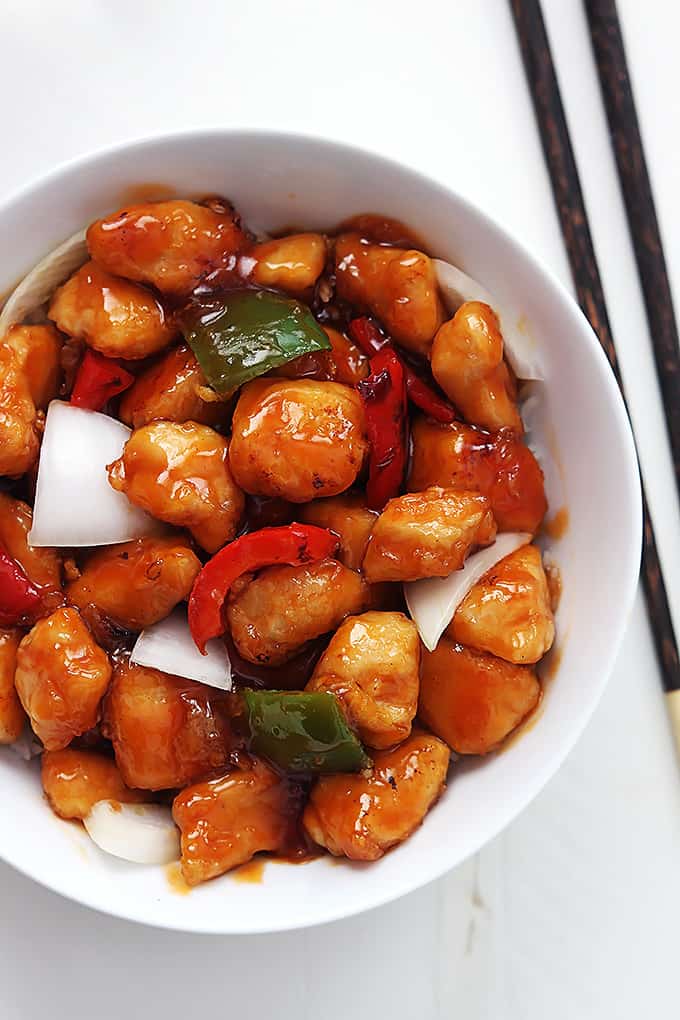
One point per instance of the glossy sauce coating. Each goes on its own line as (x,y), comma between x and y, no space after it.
(38,352)
(166,731)
(171,245)
(292,264)
(18,438)
(467,362)
(114,316)
(12,715)
(171,389)
(499,467)
(43,565)
(273,616)
(61,677)
(396,285)
(362,815)
(427,534)
(299,451)
(473,700)
(179,473)
(508,612)
(74,780)
(136,583)
(297,440)
(372,666)
(225,821)
(350,519)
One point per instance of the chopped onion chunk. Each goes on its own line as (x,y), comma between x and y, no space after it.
(169,646)
(74,503)
(141,833)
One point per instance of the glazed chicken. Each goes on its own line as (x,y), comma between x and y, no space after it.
(372,666)
(61,676)
(361,816)
(272,616)
(180,474)
(112,315)
(397,286)
(166,731)
(169,245)
(467,362)
(297,439)
(499,466)
(75,780)
(294,452)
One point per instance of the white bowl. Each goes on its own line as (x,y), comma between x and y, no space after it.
(275,181)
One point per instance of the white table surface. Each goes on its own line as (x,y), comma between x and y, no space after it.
(574,911)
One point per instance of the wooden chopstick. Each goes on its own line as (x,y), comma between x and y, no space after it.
(624,131)
(571,209)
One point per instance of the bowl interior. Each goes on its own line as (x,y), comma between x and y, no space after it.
(279,181)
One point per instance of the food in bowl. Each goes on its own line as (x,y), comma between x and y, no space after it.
(266,534)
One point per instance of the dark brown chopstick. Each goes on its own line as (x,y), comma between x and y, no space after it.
(566,186)
(624,130)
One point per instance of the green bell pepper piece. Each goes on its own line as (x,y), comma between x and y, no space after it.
(303,732)
(248,332)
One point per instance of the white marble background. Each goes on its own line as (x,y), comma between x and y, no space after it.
(573,913)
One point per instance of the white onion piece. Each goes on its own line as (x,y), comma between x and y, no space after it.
(37,287)
(520,350)
(141,833)
(433,601)
(74,503)
(169,646)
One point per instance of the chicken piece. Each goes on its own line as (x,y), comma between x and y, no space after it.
(180,473)
(43,566)
(371,665)
(398,286)
(344,363)
(500,467)
(170,245)
(427,534)
(166,731)
(467,362)
(38,353)
(137,583)
(297,439)
(61,677)
(292,264)
(18,438)
(117,318)
(74,781)
(170,390)
(473,700)
(12,715)
(508,612)
(272,617)
(350,519)
(362,815)
(225,821)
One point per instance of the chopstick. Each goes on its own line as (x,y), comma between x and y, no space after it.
(571,210)
(624,131)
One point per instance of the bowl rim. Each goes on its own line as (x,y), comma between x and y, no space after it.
(554,758)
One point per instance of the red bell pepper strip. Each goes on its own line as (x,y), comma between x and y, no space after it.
(292,544)
(383,395)
(20,599)
(368,337)
(98,379)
